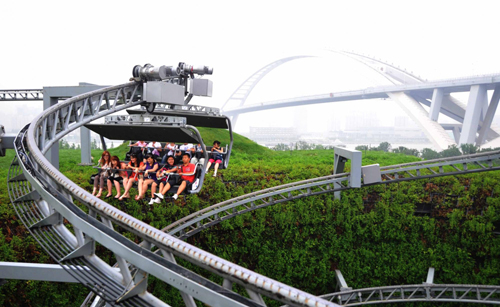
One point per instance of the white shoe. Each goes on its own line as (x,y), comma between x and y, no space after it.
(159,195)
(206,171)
(175,196)
(152,201)
(157,200)
(214,175)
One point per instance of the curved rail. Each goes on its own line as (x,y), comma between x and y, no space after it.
(435,293)
(225,210)
(52,196)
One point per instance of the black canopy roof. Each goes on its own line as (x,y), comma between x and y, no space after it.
(160,133)
(198,120)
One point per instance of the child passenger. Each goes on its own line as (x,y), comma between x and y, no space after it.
(216,157)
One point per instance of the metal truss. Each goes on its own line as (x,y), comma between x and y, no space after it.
(20,95)
(46,201)
(220,212)
(434,293)
(145,119)
(192,109)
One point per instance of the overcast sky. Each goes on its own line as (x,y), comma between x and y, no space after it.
(57,43)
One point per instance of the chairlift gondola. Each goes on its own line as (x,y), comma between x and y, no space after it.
(165,115)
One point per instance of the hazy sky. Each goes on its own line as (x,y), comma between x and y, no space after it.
(56,43)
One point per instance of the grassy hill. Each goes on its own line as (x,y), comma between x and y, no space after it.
(371,235)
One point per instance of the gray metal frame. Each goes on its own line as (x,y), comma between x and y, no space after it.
(35,185)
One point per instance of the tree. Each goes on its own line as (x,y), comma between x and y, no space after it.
(94,145)
(384,146)
(302,145)
(452,151)
(281,147)
(469,149)
(429,154)
(361,147)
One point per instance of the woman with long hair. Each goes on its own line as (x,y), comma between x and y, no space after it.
(149,169)
(100,178)
(114,177)
(135,165)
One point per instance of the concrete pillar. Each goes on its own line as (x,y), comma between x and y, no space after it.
(85,146)
(456,134)
(477,96)
(437,99)
(488,119)
(53,153)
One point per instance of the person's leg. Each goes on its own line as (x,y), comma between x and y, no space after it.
(180,189)
(153,189)
(117,187)
(101,185)
(139,188)
(125,183)
(96,182)
(216,167)
(208,166)
(130,183)
(109,186)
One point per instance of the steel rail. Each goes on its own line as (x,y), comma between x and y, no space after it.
(225,210)
(21,95)
(59,192)
(418,293)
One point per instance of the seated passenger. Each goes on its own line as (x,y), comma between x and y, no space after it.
(139,148)
(114,176)
(153,148)
(187,173)
(186,147)
(100,178)
(170,150)
(178,157)
(216,157)
(149,169)
(134,165)
(166,181)
(197,154)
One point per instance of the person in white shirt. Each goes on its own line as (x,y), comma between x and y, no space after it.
(171,147)
(186,147)
(153,148)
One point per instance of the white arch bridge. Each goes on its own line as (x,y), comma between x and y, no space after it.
(411,93)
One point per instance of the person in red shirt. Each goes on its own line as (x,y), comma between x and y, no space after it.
(187,173)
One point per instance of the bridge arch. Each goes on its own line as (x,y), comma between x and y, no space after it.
(412,105)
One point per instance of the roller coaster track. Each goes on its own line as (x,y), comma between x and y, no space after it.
(418,293)
(50,206)
(225,210)
(427,292)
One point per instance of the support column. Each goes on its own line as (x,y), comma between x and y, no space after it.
(456,134)
(85,146)
(53,153)
(488,119)
(437,99)
(477,96)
